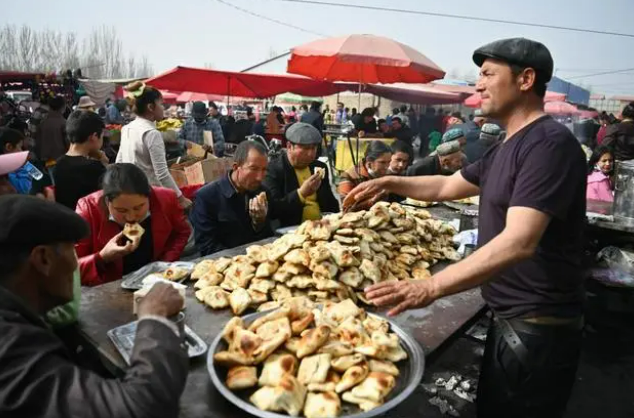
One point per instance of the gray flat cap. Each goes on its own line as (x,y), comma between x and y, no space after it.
(303,134)
(519,51)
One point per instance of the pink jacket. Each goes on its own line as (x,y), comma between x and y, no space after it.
(599,187)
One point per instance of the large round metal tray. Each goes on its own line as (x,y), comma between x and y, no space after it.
(411,373)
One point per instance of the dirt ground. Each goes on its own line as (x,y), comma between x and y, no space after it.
(605,379)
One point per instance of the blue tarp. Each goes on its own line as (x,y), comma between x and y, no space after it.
(574,93)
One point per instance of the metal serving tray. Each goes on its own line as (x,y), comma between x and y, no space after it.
(123,339)
(411,373)
(133,281)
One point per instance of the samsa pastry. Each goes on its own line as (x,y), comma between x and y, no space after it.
(371,271)
(322,405)
(351,276)
(216,298)
(257,298)
(275,367)
(364,404)
(202,268)
(375,387)
(175,273)
(329,384)
(352,377)
(262,285)
(234,324)
(242,377)
(258,253)
(318,253)
(384,367)
(221,264)
(312,340)
(288,396)
(341,364)
(324,269)
(298,256)
(318,230)
(133,232)
(266,269)
(314,369)
(239,300)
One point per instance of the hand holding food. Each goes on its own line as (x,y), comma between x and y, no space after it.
(258,208)
(162,300)
(365,194)
(311,185)
(118,247)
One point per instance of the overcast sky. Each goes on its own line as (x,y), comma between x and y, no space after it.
(195,32)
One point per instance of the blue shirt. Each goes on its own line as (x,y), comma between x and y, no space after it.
(193,131)
(113,115)
(21,181)
(221,219)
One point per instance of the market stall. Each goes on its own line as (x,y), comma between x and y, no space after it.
(108,306)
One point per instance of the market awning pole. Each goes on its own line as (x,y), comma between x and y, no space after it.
(359,108)
(228,92)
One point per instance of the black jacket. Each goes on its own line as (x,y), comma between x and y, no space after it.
(281,181)
(620,138)
(404,134)
(221,220)
(314,118)
(428,166)
(38,378)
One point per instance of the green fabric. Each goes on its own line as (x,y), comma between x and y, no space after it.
(434,140)
(69,313)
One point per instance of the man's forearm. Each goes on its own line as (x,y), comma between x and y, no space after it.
(425,188)
(500,253)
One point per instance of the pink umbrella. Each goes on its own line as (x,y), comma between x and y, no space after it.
(560,108)
(476,101)
(364,59)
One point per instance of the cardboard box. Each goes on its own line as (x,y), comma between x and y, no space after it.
(200,171)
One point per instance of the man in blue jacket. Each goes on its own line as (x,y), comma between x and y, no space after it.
(234,210)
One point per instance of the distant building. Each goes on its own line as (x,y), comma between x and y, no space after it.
(610,104)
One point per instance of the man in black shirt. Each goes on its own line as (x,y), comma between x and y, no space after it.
(401,131)
(78,173)
(365,122)
(314,117)
(532,211)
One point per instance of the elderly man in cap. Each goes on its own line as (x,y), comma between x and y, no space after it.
(530,247)
(298,181)
(445,161)
(193,130)
(38,377)
(489,136)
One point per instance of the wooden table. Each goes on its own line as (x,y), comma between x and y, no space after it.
(108,306)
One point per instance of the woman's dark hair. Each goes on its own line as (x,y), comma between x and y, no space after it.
(596,156)
(11,137)
(124,178)
(375,150)
(141,102)
(628,111)
(402,146)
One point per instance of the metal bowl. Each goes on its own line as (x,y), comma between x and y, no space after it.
(411,374)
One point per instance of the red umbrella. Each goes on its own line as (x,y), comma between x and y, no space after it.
(365,59)
(560,108)
(188,96)
(169,97)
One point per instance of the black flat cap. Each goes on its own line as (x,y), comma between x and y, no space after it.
(520,51)
(27,221)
